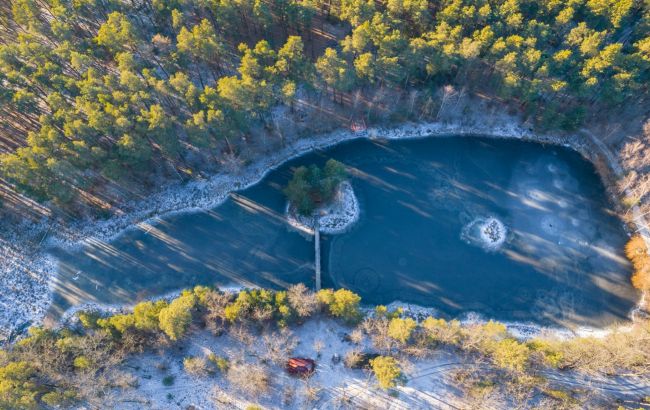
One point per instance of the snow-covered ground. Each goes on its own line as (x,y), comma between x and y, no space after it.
(25,275)
(27,271)
(428,382)
(331,386)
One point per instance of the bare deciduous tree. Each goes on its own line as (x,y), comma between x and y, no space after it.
(251,379)
(352,358)
(302,300)
(242,333)
(377,329)
(356,336)
(278,346)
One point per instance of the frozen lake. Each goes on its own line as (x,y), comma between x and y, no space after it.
(509,229)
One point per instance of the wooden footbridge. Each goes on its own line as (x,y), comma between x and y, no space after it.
(317,251)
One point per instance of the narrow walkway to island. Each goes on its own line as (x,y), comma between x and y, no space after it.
(317,250)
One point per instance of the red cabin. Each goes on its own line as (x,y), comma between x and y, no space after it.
(301,366)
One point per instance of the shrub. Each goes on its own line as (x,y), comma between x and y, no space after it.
(221,362)
(482,337)
(146,314)
(214,304)
(89,319)
(630,201)
(59,399)
(302,300)
(386,370)
(277,346)
(203,294)
(17,386)
(283,312)
(249,378)
(119,323)
(510,354)
(382,311)
(168,380)
(175,319)
(637,253)
(260,305)
(341,303)
(401,329)
(481,388)
(82,363)
(441,331)
(549,353)
(561,395)
(196,366)
(232,312)
(353,359)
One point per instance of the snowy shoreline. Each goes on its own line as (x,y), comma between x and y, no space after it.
(26,279)
(520,330)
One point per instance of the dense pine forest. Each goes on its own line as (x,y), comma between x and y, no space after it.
(105,96)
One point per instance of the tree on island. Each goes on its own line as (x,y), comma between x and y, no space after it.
(312,186)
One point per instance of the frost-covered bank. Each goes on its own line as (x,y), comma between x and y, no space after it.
(36,268)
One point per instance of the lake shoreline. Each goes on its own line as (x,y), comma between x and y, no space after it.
(206,194)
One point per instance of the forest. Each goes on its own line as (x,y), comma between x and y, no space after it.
(105,96)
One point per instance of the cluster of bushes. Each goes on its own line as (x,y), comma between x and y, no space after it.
(57,367)
(217,308)
(203,366)
(392,333)
(312,186)
(394,336)
(173,319)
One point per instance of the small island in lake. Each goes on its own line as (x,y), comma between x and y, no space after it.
(324,192)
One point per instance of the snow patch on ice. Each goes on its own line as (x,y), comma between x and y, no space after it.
(489,233)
